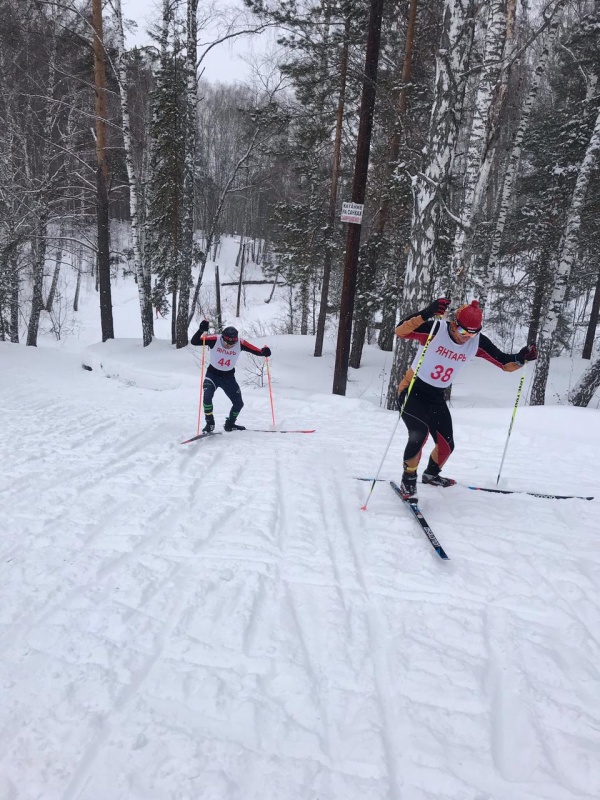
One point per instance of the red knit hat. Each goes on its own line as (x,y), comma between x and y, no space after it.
(470,317)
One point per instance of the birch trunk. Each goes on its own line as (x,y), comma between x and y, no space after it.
(492,61)
(483,274)
(142,282)
(586,388)
(430,186)
(492,137)
(568,251)
(38,243)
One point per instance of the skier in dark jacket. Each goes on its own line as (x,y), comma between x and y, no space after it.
(455,342)
(225,349)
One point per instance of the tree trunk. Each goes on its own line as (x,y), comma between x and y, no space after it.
(14,296)
(430,186)
(38,244)
(359,185)
(218,296)
(187,249)
(568,252)
(239,292)
(138,266)
(387,333)
(102,180)
(586,388)
(78,283)
(492,62)
(541,282)
(592,324)
(483,274)
(55,275)
(335,169)
(375,244)
(304,294)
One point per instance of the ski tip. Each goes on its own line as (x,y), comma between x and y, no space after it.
(201,436)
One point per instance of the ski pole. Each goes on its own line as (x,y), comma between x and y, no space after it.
(512,422)
(410,386)
(201,387)
(270,391)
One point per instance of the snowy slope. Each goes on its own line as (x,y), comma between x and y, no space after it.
(220,621)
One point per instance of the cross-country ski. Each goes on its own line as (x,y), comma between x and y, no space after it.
(413,505)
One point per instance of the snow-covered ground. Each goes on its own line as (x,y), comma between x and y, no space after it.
(221,621)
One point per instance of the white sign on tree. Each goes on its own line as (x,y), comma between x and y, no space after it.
(352,212)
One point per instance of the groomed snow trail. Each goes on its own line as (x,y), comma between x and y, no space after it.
(220,621)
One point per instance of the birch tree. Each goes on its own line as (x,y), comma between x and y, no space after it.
(43,182)
(430,185)
(483,272)
(472,190)
(142,278)
(564,263)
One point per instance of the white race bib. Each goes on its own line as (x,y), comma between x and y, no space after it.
(223,357)
(444,358)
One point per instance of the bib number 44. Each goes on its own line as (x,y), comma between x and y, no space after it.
(223,363)
(439,374)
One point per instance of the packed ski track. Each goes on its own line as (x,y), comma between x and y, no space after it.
(221,621)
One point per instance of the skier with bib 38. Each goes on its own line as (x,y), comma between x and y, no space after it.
(454,344)
(225,349)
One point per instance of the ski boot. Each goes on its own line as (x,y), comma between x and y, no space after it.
(231,426)
(437,480)
(408,487)
(433,478)
(210,424)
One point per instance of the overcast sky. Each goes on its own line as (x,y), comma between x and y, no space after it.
(224,63)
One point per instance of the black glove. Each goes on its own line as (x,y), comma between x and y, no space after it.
(266,352)
(527,353)
(436,309)
(204,326)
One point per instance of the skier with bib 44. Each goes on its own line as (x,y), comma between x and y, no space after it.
(225,349)
(454,344)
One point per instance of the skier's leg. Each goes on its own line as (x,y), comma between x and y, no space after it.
(232,389)
(207,398)
(442,432)
(418,431)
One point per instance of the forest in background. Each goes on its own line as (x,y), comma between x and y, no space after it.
(483,175)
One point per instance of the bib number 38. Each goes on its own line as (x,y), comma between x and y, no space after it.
(439,374)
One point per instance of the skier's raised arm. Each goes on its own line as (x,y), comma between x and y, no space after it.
(197,338)
(418,326)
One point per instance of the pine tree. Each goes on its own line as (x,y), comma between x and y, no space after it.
(165,196)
